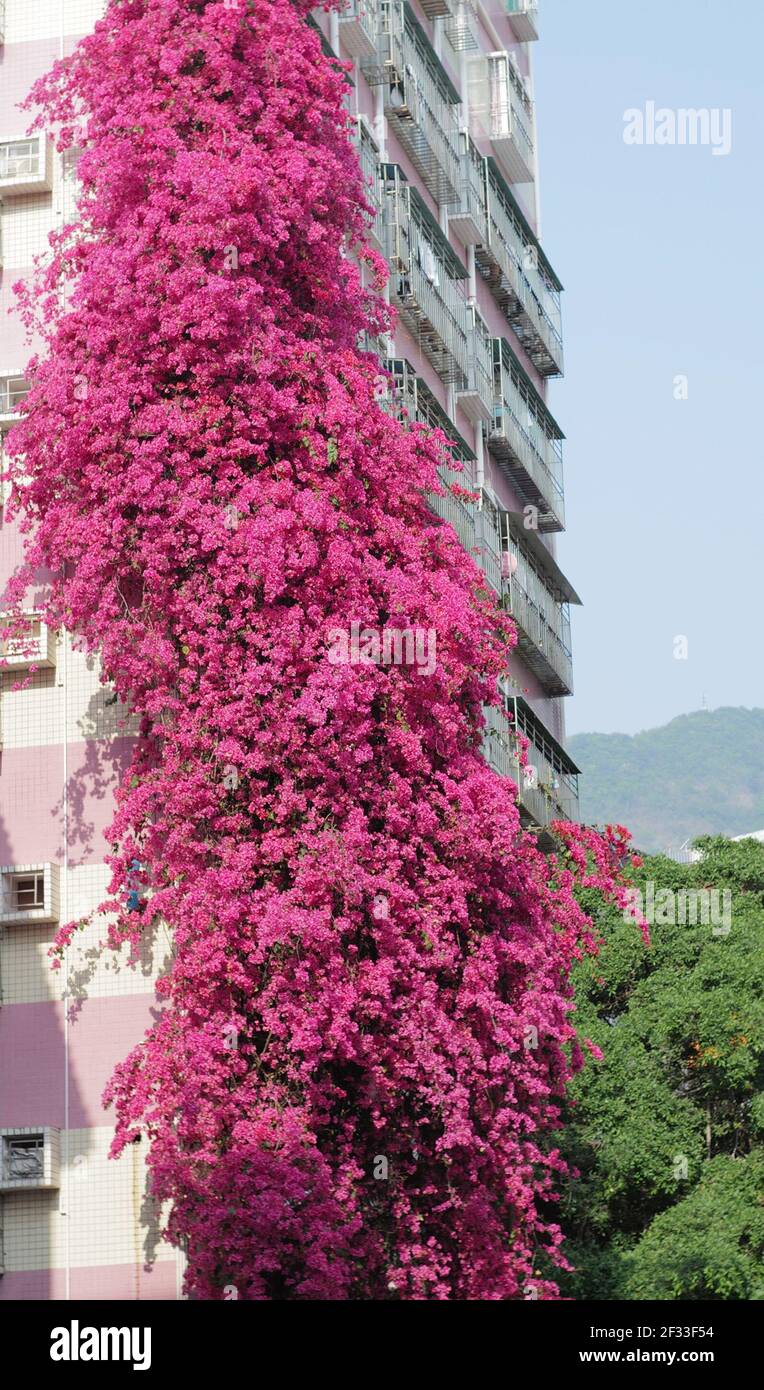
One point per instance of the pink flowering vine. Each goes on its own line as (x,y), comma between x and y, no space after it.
(339,1094)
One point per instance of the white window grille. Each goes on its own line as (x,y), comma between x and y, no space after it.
(26,165)
(29,894)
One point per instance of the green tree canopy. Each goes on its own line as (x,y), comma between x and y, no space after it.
(667,1130)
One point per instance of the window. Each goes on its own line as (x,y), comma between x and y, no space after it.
(25,1158)
(28,890)
(26,165)
(20,159)
(13,389)
(29,1158)
(35,645)
(29,894)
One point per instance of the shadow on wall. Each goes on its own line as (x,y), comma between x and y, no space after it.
(96,1234)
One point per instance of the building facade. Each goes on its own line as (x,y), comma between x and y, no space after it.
(441,99)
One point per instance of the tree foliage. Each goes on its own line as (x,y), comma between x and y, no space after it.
(668,1130)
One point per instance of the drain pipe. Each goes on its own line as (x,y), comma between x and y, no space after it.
(479,459)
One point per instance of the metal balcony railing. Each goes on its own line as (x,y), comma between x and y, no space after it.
(435,9)
(410,394)
(547,783)
(359,27)
(426,278)
(543,627)
(469,220)
(476,397)
(368,156)
(525,439)
(499,745)
(458,512)
(421,103)
(521,281)
(538,595)
(487,548)
(524,18)
(555,793)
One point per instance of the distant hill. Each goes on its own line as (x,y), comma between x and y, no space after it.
(701,774)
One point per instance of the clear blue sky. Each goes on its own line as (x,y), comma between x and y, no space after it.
(661,251)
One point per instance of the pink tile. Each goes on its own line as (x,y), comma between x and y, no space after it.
(31,782)
(96,1282)
(32,1082)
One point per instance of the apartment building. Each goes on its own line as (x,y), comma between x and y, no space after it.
(441,97)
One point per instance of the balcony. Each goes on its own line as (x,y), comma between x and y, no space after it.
(435,9)
(359,28)
(486,551)
(476,397)
(410,399)
(552,793)
(462,27)
(526,440)
(426,279)
(37,647)
(538,596)
(469,220)
(421,103)
(368,157)
(524,18)
(521,279)
(13,389)
(502,112)
(548,783)
(26,166)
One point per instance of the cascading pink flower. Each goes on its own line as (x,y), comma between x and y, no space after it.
(339,1092)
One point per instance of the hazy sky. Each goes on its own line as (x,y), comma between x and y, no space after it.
(661,251)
